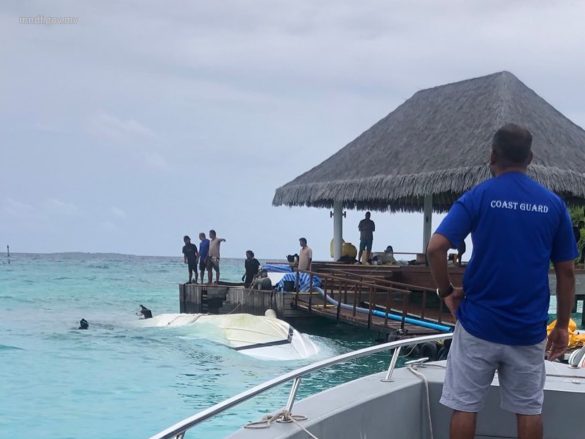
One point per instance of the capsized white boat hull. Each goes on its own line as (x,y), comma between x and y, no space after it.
(262,337)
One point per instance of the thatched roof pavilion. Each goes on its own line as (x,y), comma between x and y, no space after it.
(438,143)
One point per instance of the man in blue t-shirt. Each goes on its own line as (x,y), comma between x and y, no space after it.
(203,253)
(502,309)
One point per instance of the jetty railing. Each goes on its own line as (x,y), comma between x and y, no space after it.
(178,430)
(386,296)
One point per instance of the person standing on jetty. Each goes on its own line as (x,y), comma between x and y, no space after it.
(305,256)
(203,254)
(366,228)
(251,265)
(213,257)
(190,256)
(502,309)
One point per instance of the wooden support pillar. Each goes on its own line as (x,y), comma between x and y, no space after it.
(427,221)
(337,229)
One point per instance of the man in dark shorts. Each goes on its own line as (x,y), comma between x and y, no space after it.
(502,309)
(203,254)
(190,256)
(366,228)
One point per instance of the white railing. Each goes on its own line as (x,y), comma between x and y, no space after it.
(178,430)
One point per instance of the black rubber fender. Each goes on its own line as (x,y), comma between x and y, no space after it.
(429,350)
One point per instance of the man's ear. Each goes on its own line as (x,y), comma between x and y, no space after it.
(493,158)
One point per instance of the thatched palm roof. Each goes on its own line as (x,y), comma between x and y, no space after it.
(438,142)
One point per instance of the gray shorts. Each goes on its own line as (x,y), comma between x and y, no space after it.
(472,363)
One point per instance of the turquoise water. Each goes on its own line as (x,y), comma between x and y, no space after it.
(119,380)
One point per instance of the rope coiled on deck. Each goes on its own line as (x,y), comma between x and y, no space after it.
(281,416)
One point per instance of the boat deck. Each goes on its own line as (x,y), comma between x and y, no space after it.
(370,407)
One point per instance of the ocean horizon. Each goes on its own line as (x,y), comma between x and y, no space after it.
(118,379)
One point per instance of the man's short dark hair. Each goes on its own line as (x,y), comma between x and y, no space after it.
(186,237)
(512,144)
(303,240)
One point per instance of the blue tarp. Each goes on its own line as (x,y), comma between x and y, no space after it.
(277,268)
(304,281)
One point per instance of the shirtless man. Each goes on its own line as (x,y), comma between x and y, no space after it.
(213,255)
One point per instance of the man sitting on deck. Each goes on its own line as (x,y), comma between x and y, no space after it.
(262,282)
(502,309)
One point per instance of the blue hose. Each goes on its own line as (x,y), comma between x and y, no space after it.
(391,316)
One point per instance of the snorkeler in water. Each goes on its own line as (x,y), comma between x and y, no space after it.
(144,312)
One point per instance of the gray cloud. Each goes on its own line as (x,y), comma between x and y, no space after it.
(187,115)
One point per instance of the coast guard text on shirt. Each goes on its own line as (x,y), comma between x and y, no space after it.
(515,205)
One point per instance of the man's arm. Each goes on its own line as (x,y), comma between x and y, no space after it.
(558,338)
(437,257)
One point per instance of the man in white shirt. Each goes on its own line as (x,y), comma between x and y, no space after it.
(305,256)
(213,257)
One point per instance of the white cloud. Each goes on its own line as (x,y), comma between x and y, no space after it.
(118,213)
(18,209)
(59,207)
(156,161)
(108,226)
(109,127)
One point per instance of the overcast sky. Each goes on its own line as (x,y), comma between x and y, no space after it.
(149,120)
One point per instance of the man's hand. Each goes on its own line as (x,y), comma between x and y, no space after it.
(453,300)
(557,343)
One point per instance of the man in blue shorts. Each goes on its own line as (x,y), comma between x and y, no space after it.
(502,309)
(203,253)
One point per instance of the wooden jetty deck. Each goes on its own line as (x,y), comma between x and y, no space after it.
(405,291)
(372,289)
(367,301)
(368,321)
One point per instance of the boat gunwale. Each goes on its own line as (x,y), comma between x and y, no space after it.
(178,430)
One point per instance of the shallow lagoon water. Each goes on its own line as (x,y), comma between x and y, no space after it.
(120,380)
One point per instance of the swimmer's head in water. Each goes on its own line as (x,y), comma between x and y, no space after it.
(83,324)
